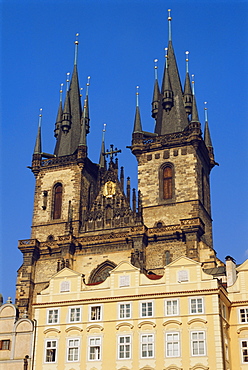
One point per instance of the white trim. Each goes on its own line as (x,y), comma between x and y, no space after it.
(47,316)
(91,346)
(246,315)
(45,350)
(124,344)
(69,314)
(198,341)
(197,308)
(101,312)
(68,347)
(119,310)
(151,342)
(146,302)
(165,307)
(172,341)
(241,353)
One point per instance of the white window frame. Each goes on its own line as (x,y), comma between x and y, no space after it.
(53,348)
(95,345)
(241,350)
(199,341)
(197,305)
(70,314)
(74,347)
(124,347)
(101,313)
(124,311)
(145,343)
(147,304)
(173,342)
(53,321)
(169,306)
(245,313)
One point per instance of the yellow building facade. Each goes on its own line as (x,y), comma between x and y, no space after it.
(184,319)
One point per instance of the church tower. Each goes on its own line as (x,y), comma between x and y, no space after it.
(85,220)
(174,165)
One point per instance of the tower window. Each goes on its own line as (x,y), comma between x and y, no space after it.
(57,201)
(167,182)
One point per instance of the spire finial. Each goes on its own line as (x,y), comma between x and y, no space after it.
(193,84)
(169,21)
(156,68)
(61,92)
(104,128)
(87,86)
(67,81)
(76,49)
(81,92)
(206,111)
(166,57)
(40,117)
(187,61)
(137,96)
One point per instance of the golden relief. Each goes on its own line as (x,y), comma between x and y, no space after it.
(109,189)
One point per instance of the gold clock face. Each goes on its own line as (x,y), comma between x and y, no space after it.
(109,189)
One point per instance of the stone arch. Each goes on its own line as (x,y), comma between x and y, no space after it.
(101,272)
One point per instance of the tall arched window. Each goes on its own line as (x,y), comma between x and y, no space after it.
(167,182)
(57,201)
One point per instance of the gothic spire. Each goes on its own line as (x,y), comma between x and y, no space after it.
(171,115)
(102,162)
(70,127)
(194,116)
(156,92)
(187,94)
(207,137)
(137,120)
(37,147)
(85,114)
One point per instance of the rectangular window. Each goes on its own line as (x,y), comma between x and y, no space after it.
(171,307)
(124,347)
(146,309)
(53,316)
(95,313)
(147,345)
(51,351)
(243,314)
(124,280)
(75,314)
(5,344)
(198,343)
(125,310)
(94,349)
(172,344)
(244,351)
(196,305)
(73,350)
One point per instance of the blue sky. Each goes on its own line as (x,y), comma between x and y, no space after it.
(117,45)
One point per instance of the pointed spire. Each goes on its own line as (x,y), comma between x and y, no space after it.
(194,116)
(137,121)
(85,115)
(167,91)
(156,92)
(76,49)
(169,24)
(187,95)
(66,117)
(37,147)
(207,137)
(60,112)
(102,161)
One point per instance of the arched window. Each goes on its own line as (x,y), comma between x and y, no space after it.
(57,201)
(167,182)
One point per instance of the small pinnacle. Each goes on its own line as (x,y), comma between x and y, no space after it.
(87,86)
(61,91)
(81,90)
(206,111)
(187,61)
(193,84)
(67,80)
(137,96)
(169,22)
(104,127)
(156,68)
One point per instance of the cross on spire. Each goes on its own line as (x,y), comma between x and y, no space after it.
(112,152)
